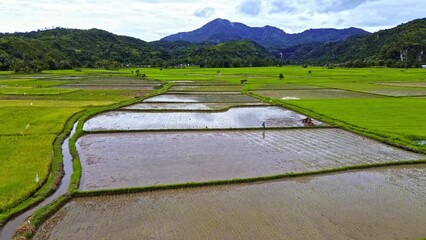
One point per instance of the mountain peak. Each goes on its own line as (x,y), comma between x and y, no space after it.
(220,21)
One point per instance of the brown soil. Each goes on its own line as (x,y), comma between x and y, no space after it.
(375,204)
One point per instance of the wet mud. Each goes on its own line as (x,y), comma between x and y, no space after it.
(388,203)
(400,92)
(203,98)
(206,88)
(311,94)
(405,84)
(110,86)
(188,106)
(144,159)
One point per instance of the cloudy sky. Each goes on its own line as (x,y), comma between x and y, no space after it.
(153,19)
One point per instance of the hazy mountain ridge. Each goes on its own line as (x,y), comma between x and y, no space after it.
(221,30)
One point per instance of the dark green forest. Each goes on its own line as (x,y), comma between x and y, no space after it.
(402,46)
(60,48)
(71,48)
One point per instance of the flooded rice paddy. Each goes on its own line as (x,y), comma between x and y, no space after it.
(204,98)
(205,93)
(207,88)
(110,86)
(287,86)
(311,94)
(199,83)
(399,92)
(113,84)
(188,106)
(387,203)
(143,159)
(234,118)
(405,84)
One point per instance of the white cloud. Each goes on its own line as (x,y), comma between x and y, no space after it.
(250,7)
(279,6)
(205,12)
(154,19)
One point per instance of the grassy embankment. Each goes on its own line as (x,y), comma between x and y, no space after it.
(29,125)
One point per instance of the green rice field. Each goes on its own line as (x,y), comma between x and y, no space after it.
(383,104)
(32,113)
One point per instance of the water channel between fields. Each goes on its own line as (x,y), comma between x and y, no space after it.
(9,229)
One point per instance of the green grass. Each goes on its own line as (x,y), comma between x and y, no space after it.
(26,139)
(96,97)
(29,125)
(101,95)
(391,116)
(19,165)
(32,120)
(293,74)
(34,83)
(259,75)
(51,103)
(34,91)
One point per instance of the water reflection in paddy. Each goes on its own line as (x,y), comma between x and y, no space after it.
(234,118)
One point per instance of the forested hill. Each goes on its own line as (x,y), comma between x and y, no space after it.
(70,48)
(65,48)
(241,53)
(402,46)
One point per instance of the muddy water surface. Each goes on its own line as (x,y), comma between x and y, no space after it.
(311,94)
(110,86)
(399,92)
(385,203)
(405,84)
(213,97)
(238,117)
(213,88)
(143,159)
(188,106)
